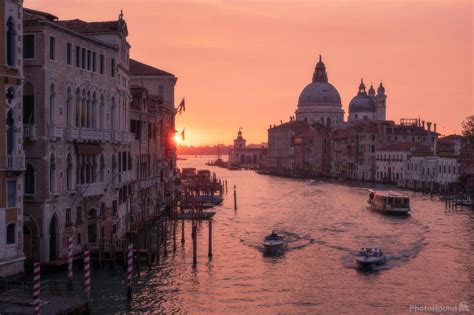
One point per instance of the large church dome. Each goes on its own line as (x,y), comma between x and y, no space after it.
(320,93)
(320,101)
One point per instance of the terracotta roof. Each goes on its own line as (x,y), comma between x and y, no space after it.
(46,15)
(406,146)
(83,27)
(138,68)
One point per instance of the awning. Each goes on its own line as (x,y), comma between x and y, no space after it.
(91,149)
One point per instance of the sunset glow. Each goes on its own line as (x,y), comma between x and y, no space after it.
(247,61)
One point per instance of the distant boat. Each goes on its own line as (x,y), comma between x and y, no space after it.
(464,201)
(370,257)
(389,202)
(234,166)
(274,243)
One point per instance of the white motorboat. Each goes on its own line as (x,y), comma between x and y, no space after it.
(370,257)
(389,202)
(274,243)
(464,201)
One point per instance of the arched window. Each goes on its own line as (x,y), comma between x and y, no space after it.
(113,115)
(52,105)
(11,233)
(94,169)
(70,108)
(69,173)
(102,113)
(102,168)
(28,104)
(95,111)
(89,111)
(29,180)
(114,169)
(11,41)
(10,133)
(78,108)
(328,121)
(84,109)
(52,174)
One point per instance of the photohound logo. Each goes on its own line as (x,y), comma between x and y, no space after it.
(462,307)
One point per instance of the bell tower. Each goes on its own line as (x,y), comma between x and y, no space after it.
(239,142)
(381,102)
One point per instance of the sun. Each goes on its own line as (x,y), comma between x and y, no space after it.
(178,139)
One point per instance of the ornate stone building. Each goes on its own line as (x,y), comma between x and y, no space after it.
(245,156)
(12,156)
(368,106)
(77,139)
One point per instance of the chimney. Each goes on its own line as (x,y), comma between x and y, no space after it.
(434,127)
(428,124)
(423,124)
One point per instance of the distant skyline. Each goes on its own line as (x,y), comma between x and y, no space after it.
(244,63)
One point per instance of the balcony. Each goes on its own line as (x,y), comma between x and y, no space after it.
(30,132)
(145,183)
(116,136)
(89,134)
(127,176)
(15,162)
(128,137)
(90,190)
(55,132)
(72,133)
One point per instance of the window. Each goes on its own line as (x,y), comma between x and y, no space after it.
(112,67)
(29,46)
(114,207)
(101,64)
(29,180)
(69,53)
(160,90)
(28,104)
(11,231)
(52,174)
(94,57)
(83,53)
(11,42)
(78,56)
(68,217)
(78,216)
(11,193)
(52,48)
(78,238)
(89,61)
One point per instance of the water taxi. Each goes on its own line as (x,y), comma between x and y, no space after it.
(370,257)
(274,243)
(389,202)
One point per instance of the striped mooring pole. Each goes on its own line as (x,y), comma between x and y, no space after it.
(129,271)
(69,263)
(87,274)
(36,288)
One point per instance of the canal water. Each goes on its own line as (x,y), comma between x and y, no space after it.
(430,255)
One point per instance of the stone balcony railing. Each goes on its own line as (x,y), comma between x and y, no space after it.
(15,162)
(89,190)
(78,134)
(55,132)
(127,176)
(142,184)
(29,132)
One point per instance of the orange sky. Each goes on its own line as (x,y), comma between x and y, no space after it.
(244,63)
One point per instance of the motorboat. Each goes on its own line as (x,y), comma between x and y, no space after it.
(234,166)
(464,201)
(274,242)
(389,202)
(370,257)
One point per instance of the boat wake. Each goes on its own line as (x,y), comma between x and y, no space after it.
(293,240)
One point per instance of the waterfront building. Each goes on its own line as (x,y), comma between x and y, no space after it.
(76,120)
(245,156)
(320,101)
(154,121)
(426,171)
(12,156)
(466,167)
(391,161)
(368,106)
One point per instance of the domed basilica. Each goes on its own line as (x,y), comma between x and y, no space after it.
(320,102)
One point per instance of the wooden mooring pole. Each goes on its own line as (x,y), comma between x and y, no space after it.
(174,235)
(210,239)
(235,197)
(129,271)
(182,231)
(194,237)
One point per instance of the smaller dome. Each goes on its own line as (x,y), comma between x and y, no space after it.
(371,90)
(381,89)
(362,103)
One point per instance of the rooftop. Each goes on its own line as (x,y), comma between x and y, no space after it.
(138,68)
(406,146)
